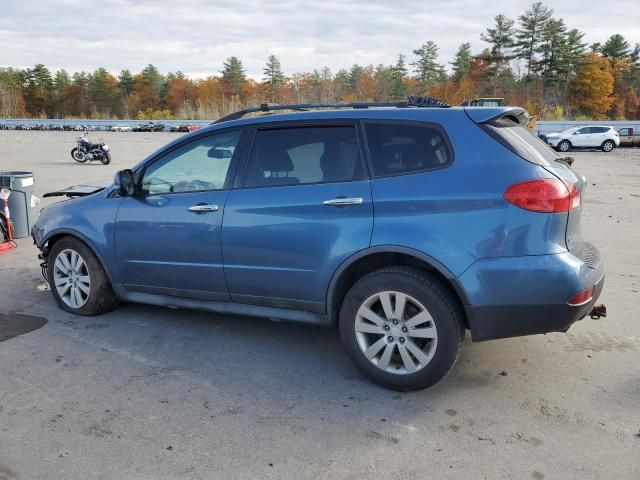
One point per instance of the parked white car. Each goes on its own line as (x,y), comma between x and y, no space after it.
(121,128)
(603,137)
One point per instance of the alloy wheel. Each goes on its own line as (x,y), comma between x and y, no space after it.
(71,278)
(396,332)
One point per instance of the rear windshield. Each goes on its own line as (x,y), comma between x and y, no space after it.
(521,141)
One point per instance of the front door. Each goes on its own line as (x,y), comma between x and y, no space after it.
(582,138)
(304,207)
(168,235)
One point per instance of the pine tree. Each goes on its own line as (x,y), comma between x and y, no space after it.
(233,73)
(530,32)
(125,82)
(461,61)
(428,71)
(154,78)
(273,76)
(616,46)
(500,37)
(398,74)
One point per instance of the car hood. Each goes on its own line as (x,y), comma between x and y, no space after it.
(80,190)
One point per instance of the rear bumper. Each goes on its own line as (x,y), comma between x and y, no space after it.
(504,321)
(511,297)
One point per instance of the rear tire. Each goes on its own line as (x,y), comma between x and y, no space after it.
(93,293)
(608,146)
(564,146)
(78,155)
(414,336)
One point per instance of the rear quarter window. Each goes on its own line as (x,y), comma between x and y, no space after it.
(400,148)
(520,141)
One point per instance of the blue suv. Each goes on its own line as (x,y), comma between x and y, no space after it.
(401,225)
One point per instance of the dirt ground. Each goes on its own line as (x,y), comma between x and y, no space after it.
(146,392)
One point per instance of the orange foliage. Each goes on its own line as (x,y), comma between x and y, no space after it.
(592,86)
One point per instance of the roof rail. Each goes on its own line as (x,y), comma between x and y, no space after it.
(411,101)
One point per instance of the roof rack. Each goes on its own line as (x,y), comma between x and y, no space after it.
(411,101)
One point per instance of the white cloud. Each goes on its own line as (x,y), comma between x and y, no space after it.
(197,35)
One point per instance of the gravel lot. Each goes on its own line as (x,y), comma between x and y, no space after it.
(146,392)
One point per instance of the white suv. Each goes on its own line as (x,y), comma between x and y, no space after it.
(594,136)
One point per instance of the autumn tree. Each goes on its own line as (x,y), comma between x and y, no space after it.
(592,86)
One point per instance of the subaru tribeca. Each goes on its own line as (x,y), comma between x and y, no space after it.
(401,225)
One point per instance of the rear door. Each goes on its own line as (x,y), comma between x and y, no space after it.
(303,207)
(599,135)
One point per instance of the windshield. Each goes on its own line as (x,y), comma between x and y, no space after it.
(521,142)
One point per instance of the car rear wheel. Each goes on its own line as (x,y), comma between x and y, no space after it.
(564,146)
(402,328)
(77,279)
(608,146)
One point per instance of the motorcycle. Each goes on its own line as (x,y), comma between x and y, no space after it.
(86,150)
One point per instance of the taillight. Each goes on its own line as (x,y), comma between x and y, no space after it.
(548,195)
(580,298)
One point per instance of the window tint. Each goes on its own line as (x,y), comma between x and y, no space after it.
(583,131)
(599,129)
(197,166)
(521,142)
(397,148)
(299,155)
(624,131)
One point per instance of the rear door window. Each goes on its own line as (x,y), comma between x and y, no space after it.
(304,155)
(400,148)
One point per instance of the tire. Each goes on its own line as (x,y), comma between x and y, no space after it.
(564,146)
(100,298)
(444,326)
(608,146)
(106,159)
(78,155)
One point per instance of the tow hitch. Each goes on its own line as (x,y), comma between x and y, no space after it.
(598,311)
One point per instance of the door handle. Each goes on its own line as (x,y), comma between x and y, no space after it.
(203,208)
(337,202)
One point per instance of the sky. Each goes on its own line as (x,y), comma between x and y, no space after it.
(196,36)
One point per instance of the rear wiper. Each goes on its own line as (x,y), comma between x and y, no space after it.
(567,160)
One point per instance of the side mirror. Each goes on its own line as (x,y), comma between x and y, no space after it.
(125,183)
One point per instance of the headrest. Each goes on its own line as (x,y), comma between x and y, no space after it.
(275,159)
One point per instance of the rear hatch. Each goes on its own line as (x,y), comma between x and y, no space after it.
(506,126)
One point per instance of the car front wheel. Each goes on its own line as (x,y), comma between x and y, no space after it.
(564,146)
(402,328)
(77,280)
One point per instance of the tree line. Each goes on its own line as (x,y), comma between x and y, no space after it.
(535,61)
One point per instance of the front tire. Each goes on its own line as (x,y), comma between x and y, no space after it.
(401,328)
(77,279)
(564,146)
(106,158)
(78,155)
(608,146)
